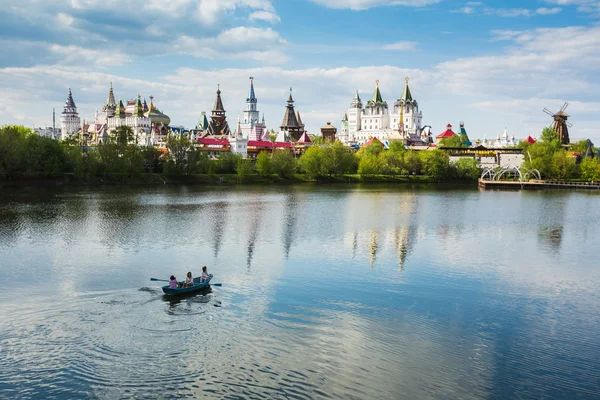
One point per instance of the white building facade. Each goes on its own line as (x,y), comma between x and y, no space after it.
(70,122)
(252,127)
(375,120)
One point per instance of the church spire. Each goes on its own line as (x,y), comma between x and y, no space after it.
(110,101)
(218,102)
(70,103)
(356,102)
(377,95)
(290,99)
(251,96)
(406,96)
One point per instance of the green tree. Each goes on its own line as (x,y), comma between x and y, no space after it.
(392,163)
(284,163)
(549,135)
(152,162)
(369,165)
(467,168)
(123,135)
(563,166)
(227,162)
(581,146)
(178,146)
(264,164)
(453,141)
(244,168)
(397,147)
(412,162)
(314,162)
(590,169)
(339,159)
(12,140)
(436,164)
(373,149)
(44,155)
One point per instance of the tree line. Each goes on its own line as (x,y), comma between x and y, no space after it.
(22,152)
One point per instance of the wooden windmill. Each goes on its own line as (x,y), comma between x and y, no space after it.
(560,123)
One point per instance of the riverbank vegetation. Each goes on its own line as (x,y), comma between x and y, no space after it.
(25,155)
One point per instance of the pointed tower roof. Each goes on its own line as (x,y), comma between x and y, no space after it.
(239,128)
(138,110)
(356,103)
(202,122)
(377,95)
(110,101)
(345,117)
(299,119)
(289,118)
(218,102)
(120,110)
(251,96)
(505,134)
(145,105)
(463,134)
(406,95)
(304,139)
(70,102)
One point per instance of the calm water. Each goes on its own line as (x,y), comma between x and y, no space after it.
(334,292)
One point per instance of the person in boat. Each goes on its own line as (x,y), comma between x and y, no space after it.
(189,281)
(173,283)
(205,275)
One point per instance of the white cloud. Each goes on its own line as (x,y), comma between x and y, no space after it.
(81,56)
(400,46)
(264,16)
(366,4)
(474,8)
(584,6)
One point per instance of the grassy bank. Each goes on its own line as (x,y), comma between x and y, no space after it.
(199,179)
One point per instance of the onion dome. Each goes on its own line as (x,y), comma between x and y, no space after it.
(157,117)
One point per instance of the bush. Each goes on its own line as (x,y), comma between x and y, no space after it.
(284,163)
(264,164)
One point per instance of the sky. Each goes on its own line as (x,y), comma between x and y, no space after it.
(491,64)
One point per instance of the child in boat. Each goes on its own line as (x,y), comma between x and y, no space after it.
(173,282)
(189,281)
(205,275)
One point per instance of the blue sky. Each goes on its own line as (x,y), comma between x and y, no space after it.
(490,64)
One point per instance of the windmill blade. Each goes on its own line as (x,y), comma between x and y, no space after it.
(564,107)
(570,125)
(550,113)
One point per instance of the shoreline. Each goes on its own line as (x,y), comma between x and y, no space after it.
(149,179)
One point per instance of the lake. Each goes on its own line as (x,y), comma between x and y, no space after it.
(347,292)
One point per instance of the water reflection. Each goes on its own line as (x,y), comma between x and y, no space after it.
(473,314)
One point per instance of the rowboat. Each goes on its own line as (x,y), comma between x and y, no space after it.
(196,287)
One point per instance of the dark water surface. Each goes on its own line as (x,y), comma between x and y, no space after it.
(328,292)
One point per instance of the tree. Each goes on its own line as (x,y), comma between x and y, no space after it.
(178,146)
(453,141)
(563,166)
(284,163)
(549,135)
(264,164)
(590,169)
(374,149)
(467,168)
(397,147)
(339,159)
(436,164)
(392,163)
(228,162)
(243,168)
(123,135)
(581,146)
(369,165)
(11,149)
(44,155)
(412,162)
(314,162)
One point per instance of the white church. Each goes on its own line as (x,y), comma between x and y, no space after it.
(375,121)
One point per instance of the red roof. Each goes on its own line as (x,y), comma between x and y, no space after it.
(264,143)
(447,133)
(304,138)
(373,140)
(210,141)
(530,140)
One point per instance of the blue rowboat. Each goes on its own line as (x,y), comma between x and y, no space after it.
(196,287)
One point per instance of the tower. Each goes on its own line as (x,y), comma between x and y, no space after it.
(290,122)
(354,117)
(109,108)
(409,109)
(218,121)
(251,115)
(69,119)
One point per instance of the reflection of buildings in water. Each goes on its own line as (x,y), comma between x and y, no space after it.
(256,210)
(373,247)
(218,214)
(552,235)
(401,241)
(289,223)
(354,244)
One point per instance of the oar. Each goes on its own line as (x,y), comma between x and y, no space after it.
(164,280)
